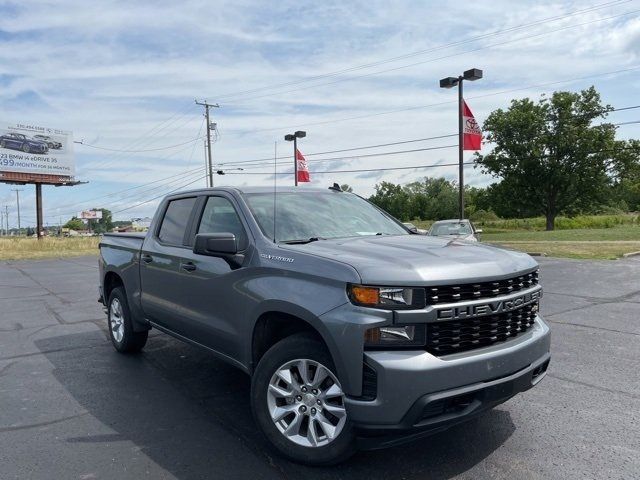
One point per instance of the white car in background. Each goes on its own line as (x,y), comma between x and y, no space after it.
(458,229)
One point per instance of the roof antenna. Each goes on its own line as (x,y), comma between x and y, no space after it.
(275,178)
(335,187)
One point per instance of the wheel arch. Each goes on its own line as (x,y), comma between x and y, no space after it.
(278,320)
(111,280)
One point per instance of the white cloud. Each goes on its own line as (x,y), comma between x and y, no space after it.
(112,73)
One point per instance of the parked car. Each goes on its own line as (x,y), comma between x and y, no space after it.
(354,330)
(458,229)
(19,141)
(49,141)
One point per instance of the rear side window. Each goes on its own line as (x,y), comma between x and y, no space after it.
(220,216)
(174,223)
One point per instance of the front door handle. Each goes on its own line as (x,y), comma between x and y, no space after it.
(146,258)
(189,266)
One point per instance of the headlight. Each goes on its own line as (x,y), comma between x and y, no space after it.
(390,337)
(391,298)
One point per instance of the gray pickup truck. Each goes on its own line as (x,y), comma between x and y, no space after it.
(356,332)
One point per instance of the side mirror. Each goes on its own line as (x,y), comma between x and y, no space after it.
(411,227)
(222,245)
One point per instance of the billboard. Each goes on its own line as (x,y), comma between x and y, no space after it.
(33,149)
(90,214)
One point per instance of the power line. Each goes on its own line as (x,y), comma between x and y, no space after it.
(147,139)
(429,50)
(499,44)
(263,161)
(140,151)
(179,178)
(438,104)
(163,195)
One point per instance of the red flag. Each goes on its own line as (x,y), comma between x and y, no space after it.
(303,169)
(471,130)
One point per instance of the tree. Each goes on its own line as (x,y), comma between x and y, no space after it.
(75,224)
(626,172)
(104,224)
(391,198)
(551,157)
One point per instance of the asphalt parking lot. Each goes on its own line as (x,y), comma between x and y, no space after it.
(72,408)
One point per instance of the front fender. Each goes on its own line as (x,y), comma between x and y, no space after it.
(342,329)
(289,308)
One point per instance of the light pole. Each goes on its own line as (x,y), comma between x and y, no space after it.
(294,138)
(449,82)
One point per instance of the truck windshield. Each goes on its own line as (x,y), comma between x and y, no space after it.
(319,215)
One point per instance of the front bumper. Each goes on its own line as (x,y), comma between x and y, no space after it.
(419,393)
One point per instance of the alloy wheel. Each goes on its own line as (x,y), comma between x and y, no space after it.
(116,320)
(306,403)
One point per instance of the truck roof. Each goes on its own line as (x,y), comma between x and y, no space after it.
(256,189)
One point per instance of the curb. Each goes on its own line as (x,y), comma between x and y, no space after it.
(631,254)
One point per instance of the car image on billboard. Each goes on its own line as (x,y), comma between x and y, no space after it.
(19,141)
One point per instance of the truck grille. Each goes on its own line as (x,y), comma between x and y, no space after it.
(474,291)
(454,336)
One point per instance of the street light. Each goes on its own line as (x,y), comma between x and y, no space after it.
(450,82)
(293,137)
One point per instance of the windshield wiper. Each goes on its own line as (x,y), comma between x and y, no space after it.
(302,242)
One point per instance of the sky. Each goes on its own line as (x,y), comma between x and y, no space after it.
(124,76)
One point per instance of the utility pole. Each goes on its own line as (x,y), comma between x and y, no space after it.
(206,115)
(6,214)
(17,190)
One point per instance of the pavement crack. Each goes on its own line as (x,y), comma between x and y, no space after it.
(591,326)
(590,385)
(53,350)
(46,289)
(3,370)
(14,428)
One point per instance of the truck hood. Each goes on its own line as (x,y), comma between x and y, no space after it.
(419,259)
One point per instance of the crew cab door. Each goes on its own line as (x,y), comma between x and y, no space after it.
(210,288)
(160,266)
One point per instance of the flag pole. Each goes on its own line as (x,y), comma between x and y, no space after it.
(295,160)
(460,149)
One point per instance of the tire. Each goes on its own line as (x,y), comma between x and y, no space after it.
(3,144)
(121,333)
(25,148)
(310,419)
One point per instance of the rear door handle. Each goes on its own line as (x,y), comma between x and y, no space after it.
(188,266)
(146,258)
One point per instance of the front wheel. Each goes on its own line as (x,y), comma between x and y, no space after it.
(25,148)
(298,402)
(123,338)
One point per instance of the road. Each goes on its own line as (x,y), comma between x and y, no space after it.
(72,408)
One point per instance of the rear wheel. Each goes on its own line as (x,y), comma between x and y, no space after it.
(123,338)
(298,402)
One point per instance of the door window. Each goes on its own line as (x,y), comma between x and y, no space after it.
(220,216)
(174,223)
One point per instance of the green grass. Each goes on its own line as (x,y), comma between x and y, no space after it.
(621,233)
(584,250)
(616,235)
(20,248)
